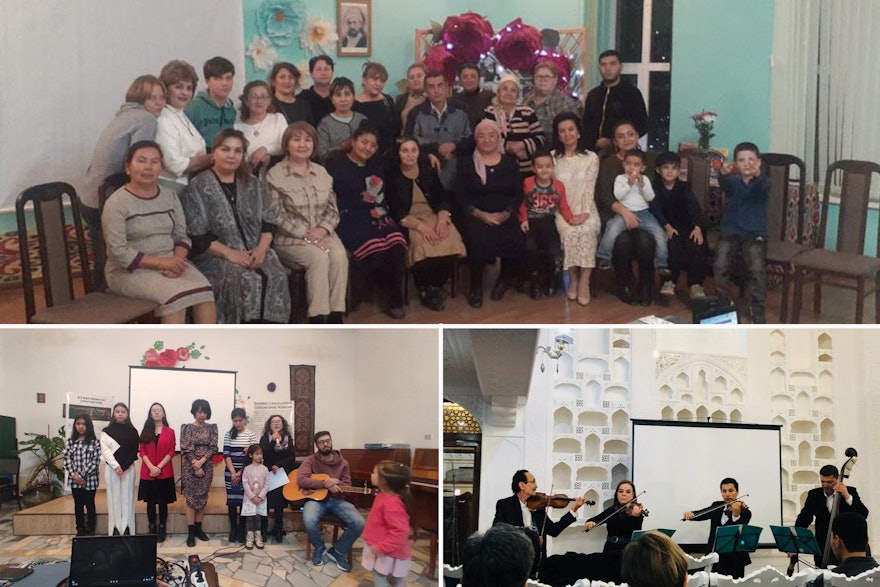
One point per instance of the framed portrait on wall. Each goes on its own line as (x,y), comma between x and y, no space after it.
(355,24)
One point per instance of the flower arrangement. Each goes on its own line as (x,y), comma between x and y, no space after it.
(319,36)
(515,48)
(159,356)
(703,122)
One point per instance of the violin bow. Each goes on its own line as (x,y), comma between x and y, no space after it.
(541,534)
(709,510)
(611,515)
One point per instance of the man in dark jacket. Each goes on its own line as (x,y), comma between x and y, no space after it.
(610,102)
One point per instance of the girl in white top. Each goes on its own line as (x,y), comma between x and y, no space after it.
(261,125)
(183,149)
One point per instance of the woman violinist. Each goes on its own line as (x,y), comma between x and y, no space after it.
(727,512)
(626,521)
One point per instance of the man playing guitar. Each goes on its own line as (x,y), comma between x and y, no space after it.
(326,461)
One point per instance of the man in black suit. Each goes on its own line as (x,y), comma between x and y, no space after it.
(735,512)
(514,510)
(818,505)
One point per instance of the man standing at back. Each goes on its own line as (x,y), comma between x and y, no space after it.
(329,462)
(610,102)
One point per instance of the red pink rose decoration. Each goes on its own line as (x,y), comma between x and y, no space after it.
(159,356)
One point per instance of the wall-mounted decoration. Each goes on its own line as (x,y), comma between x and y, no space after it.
(280,21)
(319,36)
(355,25)
(159,356)
(262,53)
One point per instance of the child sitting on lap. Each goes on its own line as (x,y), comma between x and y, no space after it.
(544,198)
(678,212)
(633,190)
(744,228)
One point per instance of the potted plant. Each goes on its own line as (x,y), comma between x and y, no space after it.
(46,480)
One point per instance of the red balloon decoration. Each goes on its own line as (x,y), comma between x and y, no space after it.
(516,45)
(439,58)
(561,63)
(468,36)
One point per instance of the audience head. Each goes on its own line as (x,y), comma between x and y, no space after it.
(342,94)
(626,137)
(149,92)
(747,159)
(373,79)
(567,133)
(849,535)
(284,79)
(180,81)
(228,153)
(415,77)
(201,405)
(83,426)
(321,69)
(545,75)
(143,162)
(239,422)
(277,424)
(502,556)
(654,560)
(299,141)
(507,90)
(256,99)
(436,88)
(609,66)
(218,77)
(120,411)
(469,76)
(364,142)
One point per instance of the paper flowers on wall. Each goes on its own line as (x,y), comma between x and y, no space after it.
(280,21)
(262,53)
(319,36)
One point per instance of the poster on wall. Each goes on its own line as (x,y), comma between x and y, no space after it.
(99,409)
(355,18)
(263,410)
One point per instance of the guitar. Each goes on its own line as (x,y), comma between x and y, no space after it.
(293,492)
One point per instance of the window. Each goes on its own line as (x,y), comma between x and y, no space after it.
(644,40)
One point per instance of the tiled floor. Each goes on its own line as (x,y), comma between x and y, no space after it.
(277,565)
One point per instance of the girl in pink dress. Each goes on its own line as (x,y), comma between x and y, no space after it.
(387,551)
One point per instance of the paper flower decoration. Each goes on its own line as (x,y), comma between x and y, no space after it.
(468,36)
(280,21)
(516,45)
(262,53)
(561,63)
(439,58)
(319,36)
(306,80)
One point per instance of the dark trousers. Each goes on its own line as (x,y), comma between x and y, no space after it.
(509,274)
(685,254)
(432,272)
(84,508)
(543,248)
(747,254)
(151,513)
(634,245)
(387,269)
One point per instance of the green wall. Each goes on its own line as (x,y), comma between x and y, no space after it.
(721,62)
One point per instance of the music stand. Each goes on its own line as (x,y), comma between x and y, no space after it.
(737,538)
(639,533)
(795,540)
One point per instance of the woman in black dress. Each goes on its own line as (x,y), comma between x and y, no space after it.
(284,81)
(488,192)
(278,454)
(622,524)
(378,106)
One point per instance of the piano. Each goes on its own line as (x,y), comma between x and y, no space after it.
(424,488)
(361,462)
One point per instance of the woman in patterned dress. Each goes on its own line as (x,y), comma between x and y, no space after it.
(577,168)
(198,443)
(521,132)
(235,441)
(232,224)
(147,246)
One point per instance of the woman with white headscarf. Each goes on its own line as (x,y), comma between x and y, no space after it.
(488,192)
(521,131)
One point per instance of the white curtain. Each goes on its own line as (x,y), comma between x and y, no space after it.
(826,81)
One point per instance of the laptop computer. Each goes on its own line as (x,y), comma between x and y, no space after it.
(98,561)
(713,310)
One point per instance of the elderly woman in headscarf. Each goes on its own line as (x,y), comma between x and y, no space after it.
(488,192)
(521,131)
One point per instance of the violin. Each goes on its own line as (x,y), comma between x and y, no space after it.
(540,501)
(622,510)
(726,506)
(629,506)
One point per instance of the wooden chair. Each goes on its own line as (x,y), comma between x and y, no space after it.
(846,264)
(62,307)
(781,249)
(10,466)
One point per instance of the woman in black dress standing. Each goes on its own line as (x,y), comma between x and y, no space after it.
(278,453)
(622,524)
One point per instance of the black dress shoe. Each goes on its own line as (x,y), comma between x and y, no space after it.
(397,312)
(335,318)
(626,296)
(498,290)
(475,299)
(321,319)
(534,290)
